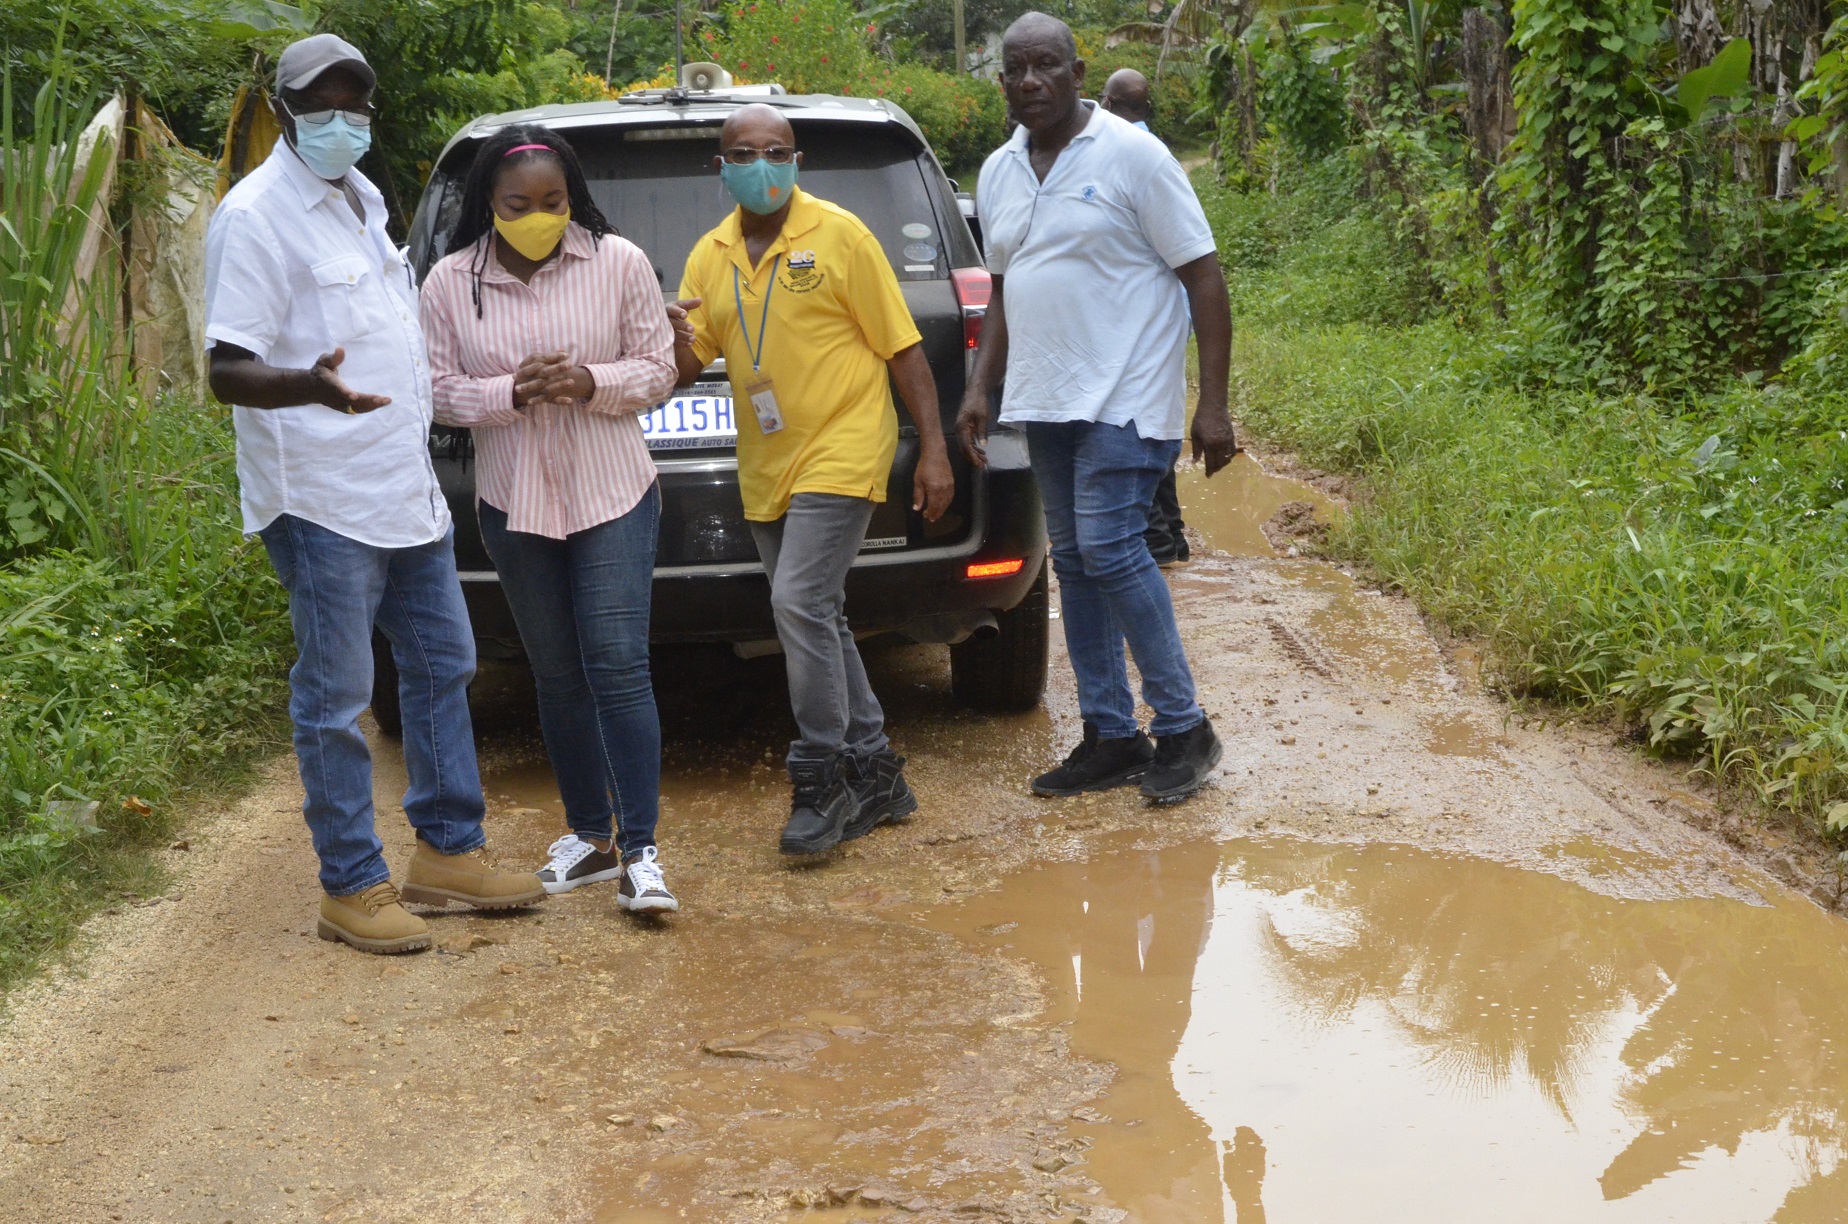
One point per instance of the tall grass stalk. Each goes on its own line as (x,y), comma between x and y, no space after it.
(80,464)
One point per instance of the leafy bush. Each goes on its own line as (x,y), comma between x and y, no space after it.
(1176,118)
(824,46)
(1313,255)
(964,119)
(1675,561)
(810,46)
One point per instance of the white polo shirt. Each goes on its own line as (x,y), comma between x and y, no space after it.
(290,274)
(1097,321)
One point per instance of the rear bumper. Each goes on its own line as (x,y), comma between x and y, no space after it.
(921,593)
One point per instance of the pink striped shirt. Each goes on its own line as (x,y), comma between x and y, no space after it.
(554,469)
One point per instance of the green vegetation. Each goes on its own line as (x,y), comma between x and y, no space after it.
(142,644)
(1590,388)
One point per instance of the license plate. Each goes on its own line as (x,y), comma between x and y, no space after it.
(700,417)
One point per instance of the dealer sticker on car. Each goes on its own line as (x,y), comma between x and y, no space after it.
(701,417)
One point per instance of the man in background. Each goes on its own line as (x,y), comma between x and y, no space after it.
(1126,95)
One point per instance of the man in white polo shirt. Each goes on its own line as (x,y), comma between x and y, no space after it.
(304,291)
(1100,253)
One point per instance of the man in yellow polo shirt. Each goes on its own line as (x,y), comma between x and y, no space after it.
(799,297)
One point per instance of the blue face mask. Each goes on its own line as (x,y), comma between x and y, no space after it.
(330,149)
(1143,124)
(760,186)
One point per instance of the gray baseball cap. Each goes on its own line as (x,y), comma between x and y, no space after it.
(303,61)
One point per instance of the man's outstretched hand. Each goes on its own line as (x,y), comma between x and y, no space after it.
(332,390)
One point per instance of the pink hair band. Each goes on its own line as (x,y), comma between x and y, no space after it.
(524,147)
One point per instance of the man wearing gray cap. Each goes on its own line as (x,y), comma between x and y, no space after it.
(312,318)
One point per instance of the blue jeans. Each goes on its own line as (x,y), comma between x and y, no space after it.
(1097,482)
(339,589)
(582,607)
(807,554)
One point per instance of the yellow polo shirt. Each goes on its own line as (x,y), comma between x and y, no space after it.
(835,317)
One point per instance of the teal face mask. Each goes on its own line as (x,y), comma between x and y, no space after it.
(760,186)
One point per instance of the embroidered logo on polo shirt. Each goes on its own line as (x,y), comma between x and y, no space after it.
(801,276)
(1089,193)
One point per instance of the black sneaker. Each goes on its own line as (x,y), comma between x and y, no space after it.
(1098,764)
(644,889)
(574,862)
(880,794)
(818,809)
(1182,553)
(1182,763)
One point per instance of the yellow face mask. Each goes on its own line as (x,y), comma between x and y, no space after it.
(535,235)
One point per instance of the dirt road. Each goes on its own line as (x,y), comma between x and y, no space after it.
(1406,961)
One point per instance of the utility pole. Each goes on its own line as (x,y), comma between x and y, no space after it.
(962,61)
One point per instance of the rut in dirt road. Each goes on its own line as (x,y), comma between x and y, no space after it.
(1404,961)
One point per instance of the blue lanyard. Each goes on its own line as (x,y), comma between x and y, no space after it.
(757,356)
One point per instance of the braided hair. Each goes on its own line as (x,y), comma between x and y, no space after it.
(475,225)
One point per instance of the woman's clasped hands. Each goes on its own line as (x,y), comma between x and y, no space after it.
(550,378)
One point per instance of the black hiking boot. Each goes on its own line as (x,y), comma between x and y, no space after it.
(1182,763)
(818,808)
(1098,764)
(880,793)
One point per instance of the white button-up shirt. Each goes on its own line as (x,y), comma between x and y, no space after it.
(291,273)
(1097,321)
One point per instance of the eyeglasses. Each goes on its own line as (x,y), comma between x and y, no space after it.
(321,118)
(776,155)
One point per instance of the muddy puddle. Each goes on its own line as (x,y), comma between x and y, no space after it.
(1319,1033)
(1230,510)
(1262,1030)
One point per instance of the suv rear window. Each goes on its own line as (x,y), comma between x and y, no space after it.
(658,187)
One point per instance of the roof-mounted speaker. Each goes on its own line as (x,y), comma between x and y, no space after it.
(704,77)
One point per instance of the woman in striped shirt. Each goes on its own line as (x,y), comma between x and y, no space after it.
(547,335)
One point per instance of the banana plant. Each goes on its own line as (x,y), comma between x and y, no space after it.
(245,20)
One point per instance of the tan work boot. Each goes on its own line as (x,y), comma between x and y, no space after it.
(372,921)
(470,877)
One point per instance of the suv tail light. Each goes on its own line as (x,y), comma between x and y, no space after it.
(973,288)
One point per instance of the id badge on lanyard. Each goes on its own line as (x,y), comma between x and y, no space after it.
(760,389)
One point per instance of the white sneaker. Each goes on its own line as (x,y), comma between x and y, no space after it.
(643,889)
(576,861)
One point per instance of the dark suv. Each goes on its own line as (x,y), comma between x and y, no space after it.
(975,579)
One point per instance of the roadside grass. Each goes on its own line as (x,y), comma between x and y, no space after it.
(143,642)
(1681,563)
(134,688)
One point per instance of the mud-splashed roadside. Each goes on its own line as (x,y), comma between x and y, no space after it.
(999,1009)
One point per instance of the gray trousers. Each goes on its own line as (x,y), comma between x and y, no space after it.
(807,554)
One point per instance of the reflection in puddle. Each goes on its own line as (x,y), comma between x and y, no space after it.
(1378,1033)
(1230,510)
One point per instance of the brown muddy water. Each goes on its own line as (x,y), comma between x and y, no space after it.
(1307,1032)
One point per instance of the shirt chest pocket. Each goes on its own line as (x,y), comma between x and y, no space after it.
(349,293)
